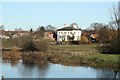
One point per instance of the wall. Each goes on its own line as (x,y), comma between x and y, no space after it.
(76,33)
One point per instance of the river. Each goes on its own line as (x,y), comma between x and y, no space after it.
(16,69)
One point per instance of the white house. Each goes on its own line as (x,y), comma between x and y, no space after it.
(4,36)
(64,33)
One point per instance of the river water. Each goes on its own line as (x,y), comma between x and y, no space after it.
(16,69)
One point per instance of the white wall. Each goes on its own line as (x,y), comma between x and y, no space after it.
(77,34)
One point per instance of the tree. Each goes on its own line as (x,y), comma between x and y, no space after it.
(30,46)
(105,31)
(113,47)
(19,29)
(40,31)
(96,26)
(42,45)
(50,28)
(2,27)
(116,22)
(31,30)
(20,41)
(106,34)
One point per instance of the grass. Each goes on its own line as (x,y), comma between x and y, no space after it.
(105,57)
(75,47)
(13,54)
(98,59)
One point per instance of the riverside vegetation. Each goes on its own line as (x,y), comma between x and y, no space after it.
(75,55)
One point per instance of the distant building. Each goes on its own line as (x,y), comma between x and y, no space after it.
(66,32)
(49,35)
(91,35)
(12,34)
(4,36)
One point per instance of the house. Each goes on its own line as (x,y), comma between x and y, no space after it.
(4,36)
(49,35)
(91,35)
(12,34)
(67,32)
(20,33)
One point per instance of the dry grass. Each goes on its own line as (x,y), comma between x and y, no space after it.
(13,54)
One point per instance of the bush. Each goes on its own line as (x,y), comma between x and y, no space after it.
(15,54)
(5,55)
(42,45)
(84,40)
(111,48)
(30,46)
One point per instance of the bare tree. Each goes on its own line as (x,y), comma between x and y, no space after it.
(115,17)
(104,31)
(2,27)
(40,31)
(116,22)
(50,28)
(19,29)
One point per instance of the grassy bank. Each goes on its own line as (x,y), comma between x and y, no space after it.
(83,54)
(75,47)
(95,60)
(75,55)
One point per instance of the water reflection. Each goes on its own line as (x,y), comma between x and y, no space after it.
(33,70)
(26,70)
(107,73)
(49,70)
(12,62)
(43,69)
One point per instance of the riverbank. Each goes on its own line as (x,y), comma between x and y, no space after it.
(75,55)
(86,55)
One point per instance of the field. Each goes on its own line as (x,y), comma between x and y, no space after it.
(85,54)
(75,47)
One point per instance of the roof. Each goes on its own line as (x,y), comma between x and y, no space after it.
(95,36)
(67,29)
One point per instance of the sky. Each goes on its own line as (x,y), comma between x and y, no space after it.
(29,15)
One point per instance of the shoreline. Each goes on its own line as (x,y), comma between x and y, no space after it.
(71,60)
(73,55)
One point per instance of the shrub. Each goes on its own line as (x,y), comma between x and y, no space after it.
(111,48)
(42,45)
(84,40)
(39,45)
(30,46)
(15,54)
(5,55)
